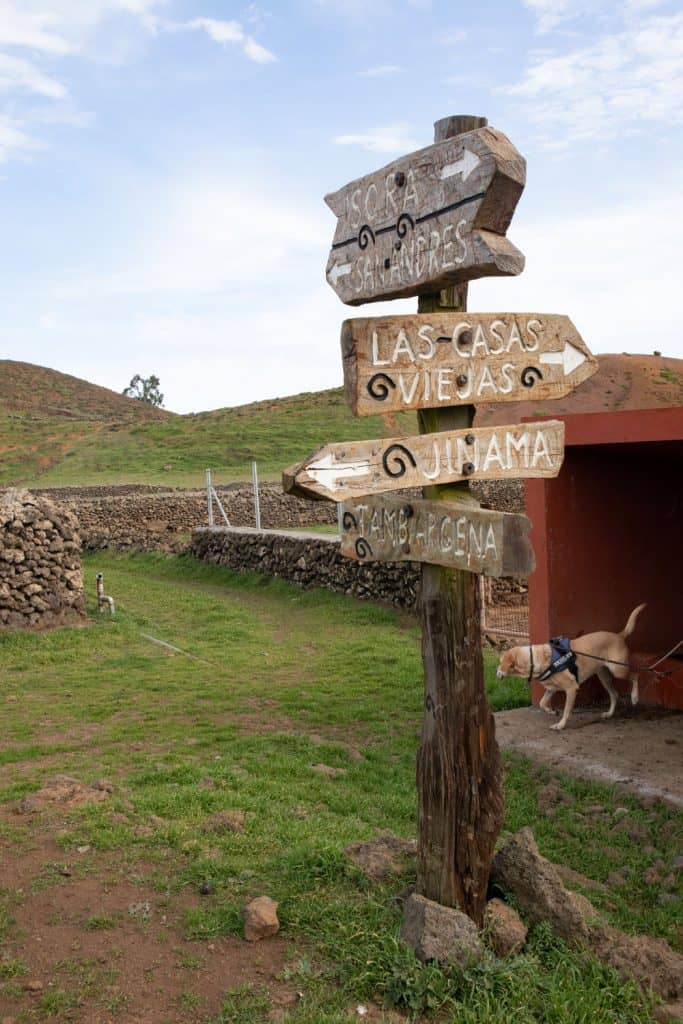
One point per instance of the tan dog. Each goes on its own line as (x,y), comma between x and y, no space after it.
(595,653)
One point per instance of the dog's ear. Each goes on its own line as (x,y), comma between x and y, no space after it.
(507,661)
(519,662)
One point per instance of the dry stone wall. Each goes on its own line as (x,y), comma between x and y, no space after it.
(41,579)
(148,518)
(310,560)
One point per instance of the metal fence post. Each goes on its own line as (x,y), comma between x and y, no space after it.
(257,506)
(209,500)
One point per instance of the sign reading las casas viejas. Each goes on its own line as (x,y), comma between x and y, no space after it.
(430,360)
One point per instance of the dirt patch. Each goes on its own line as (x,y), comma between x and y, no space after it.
(93,941)
(640,752)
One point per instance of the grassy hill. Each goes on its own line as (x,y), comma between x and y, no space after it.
(56,430)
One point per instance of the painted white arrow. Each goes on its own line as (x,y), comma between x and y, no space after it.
(464,166)
(569,358)
(339,270)
(320,470)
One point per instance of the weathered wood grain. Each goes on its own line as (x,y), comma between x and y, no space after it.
(459,768)
(453,534)
(393,363)
(342,471)
(430,219)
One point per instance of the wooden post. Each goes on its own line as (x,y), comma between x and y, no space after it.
(459,770)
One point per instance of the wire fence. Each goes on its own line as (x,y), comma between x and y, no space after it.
(503,614)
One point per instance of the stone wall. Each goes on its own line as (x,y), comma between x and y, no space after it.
(148,518)
(41,580)
(311,560)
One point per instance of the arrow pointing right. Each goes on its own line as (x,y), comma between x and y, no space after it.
(570,358)
(464,166)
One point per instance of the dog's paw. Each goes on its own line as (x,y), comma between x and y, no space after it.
(634,699)
(558,726)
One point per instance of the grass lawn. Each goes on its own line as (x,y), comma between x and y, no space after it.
(48,451)
(274,681)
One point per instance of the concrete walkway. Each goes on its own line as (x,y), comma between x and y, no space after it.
(640,750)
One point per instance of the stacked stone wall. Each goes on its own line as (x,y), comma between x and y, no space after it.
(309,561)
(41,579)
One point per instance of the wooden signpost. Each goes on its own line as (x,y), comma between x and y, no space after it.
(425,225)
(341,471)
(420,362)
(428,220)
(455,535)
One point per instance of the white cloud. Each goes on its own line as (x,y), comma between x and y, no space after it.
(211,237)
(552,14)
(21,26)
(602,269)
(13,138)
(16,73)
(625,79)
(232,32)
(392,138)
(380,70)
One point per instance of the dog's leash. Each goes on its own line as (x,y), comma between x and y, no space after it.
(639,668)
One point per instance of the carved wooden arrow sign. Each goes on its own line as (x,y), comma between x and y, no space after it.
(427,220)
(346,470)
(453,534)
(441,359)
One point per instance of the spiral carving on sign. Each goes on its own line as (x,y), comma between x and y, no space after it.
(363,549)
(402,224)
(529,376)
(349,521)
(378,386)
(365,236)
(398,453)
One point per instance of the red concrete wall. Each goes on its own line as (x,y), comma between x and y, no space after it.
(608,535)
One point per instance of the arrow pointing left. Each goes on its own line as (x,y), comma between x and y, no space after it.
(339,270)
(328,471)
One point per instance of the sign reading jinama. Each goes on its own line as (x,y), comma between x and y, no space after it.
(427,220)
(348,469)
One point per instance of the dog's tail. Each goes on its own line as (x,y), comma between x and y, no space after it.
(631,624)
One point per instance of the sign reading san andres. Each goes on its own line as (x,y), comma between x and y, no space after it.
(427,220)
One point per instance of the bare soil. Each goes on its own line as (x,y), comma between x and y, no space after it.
(102,944)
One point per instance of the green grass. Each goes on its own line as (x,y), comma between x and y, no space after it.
(45,450)
(273,681)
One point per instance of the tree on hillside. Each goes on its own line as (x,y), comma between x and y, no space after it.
(146,389)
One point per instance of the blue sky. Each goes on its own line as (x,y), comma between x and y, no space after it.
(163,165)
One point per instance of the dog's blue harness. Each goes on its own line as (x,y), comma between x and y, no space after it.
(561,657)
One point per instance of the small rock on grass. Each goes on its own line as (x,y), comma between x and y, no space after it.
(440,933)
(505,928)
(260,919)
